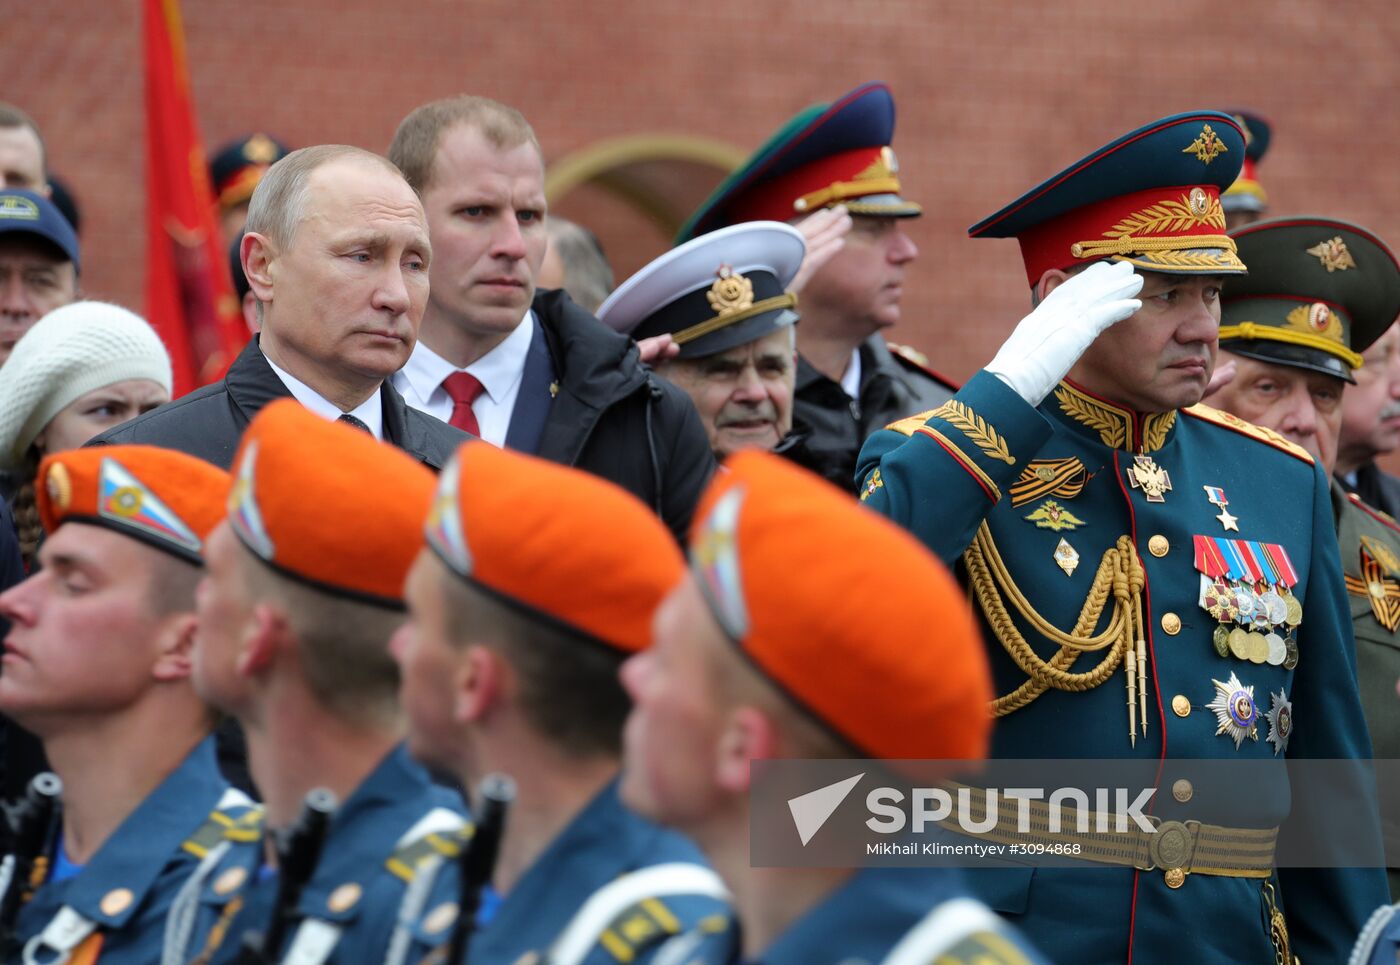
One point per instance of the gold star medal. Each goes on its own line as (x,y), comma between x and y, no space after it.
(1151,478)
(1216,496)
(1235,711)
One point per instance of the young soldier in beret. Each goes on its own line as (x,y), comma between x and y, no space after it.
(1319,292)
(537,581)
(98,665)
(302,596)
(758,654)
(1158,580)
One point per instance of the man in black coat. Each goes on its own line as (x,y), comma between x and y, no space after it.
(529,371)
(336,252)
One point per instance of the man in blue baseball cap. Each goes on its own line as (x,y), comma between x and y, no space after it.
(38,263)
(1158,581)
(826,159)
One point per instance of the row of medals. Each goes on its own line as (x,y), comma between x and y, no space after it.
(1258,625)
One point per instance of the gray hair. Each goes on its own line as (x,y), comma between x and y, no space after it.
(588,278)
(278,200)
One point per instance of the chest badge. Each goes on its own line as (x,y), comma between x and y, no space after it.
(1216,496)
(1235,711)
(1052,516)
(1066,557)
(1151,478)
(1280,718)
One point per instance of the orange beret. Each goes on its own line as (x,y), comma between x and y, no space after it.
(329,505)
(570,547)
(845,612)
(165,498)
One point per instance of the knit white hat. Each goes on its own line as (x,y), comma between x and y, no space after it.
(68,353)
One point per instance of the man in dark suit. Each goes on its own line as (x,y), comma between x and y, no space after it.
(525,369)
(336,252)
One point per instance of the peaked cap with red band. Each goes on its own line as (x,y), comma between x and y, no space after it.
(164,498)
(560,544)
(829,154)
(1152,197)
(239,165)
(1247,194)
(878,642)
(328,505)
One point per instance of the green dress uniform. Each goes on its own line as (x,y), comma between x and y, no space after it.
(1319,293)
(1370,547)
(1161,587)
(1042,504)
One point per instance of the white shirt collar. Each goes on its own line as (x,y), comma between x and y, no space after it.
(370,412)
(499,370)
(850,381)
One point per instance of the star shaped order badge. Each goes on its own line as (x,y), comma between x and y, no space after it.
(1280,718)
(1235,710)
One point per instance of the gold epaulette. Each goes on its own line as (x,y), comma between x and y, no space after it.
(447,843)
(910,353)
(1266,436)
(912,424)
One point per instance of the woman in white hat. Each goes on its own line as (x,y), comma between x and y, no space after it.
(81,369)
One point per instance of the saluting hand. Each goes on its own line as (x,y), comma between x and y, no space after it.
(1048,341)
(825,233)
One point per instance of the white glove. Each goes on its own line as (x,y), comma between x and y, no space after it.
(1048,341)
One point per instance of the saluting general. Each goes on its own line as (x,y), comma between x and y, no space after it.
(1157,580)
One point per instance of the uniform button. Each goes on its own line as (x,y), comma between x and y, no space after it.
(1182,790)
(1175,878)
(1171,623)
(1181,706)
(1158,545)
(344,898)
(116,901)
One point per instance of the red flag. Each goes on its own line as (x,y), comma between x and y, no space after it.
(189,294)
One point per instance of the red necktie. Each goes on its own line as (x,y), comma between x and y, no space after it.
(463,388)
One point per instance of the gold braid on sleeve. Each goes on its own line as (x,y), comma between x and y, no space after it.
(1119,576)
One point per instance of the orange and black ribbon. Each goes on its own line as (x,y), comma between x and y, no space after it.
(1049,477)
(1383,593)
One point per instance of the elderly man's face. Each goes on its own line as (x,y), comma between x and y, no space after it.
(22,160)
(1303,406)
(1371,408)
(1161,357)
(35,279)
(349,287)
(744,395)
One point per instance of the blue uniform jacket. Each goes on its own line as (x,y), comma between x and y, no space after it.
(604,841)
(128,886)
(864,919)
(943,473)
(360,880)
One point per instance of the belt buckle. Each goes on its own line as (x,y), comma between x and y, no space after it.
(1172,845)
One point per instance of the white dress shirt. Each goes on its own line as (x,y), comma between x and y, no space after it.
(370,412)
(499,371)
(850,382)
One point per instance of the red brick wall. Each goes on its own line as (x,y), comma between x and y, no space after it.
(993,97)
